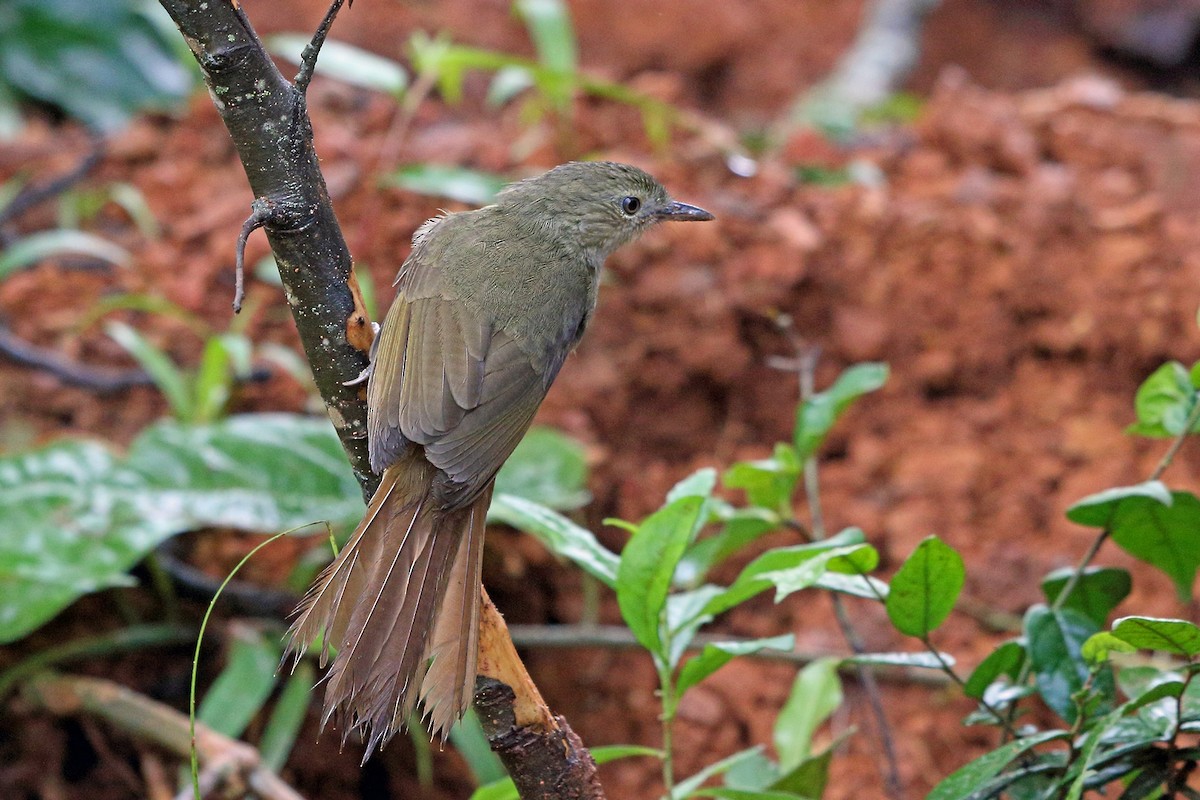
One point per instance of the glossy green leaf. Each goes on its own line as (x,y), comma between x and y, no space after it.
(1004,660)
(35,247)
(925,588)
(1055,641)
(453,183)
(1167,635)
(1164,401)
(648,563)
(77,517)
(963,782)
(741,526)
(1163,536)
(816,693)
(817,415)
(718,654)
(1098,591)
(1098,510)
(243,686)
(345,63)
(549,468)
(560,535)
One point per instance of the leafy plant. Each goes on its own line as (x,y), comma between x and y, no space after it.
(1124,719)
(551,82)
(100,61)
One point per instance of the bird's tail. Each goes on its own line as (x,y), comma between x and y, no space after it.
(400,604)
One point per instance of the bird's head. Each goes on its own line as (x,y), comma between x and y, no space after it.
(601,205)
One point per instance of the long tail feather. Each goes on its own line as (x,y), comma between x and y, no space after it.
(401,605)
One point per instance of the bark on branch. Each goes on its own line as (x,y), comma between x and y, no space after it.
(267,117)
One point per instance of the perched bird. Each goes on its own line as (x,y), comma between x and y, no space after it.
(488,305)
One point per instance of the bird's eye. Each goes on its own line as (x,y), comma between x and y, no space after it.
(630,205)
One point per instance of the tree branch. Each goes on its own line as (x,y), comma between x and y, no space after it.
(267,118)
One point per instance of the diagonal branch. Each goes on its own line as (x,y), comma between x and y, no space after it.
(267,117)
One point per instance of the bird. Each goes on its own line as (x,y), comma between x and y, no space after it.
(488,305)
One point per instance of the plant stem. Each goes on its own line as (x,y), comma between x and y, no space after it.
(670,705)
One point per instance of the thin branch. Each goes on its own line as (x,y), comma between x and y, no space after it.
(308,58)
(32,196)
(98,379)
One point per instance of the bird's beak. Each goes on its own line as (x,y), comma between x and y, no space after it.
(682,212)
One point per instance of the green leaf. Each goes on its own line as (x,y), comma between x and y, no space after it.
(1163,536)
(242,688)
(854,585)
(549,24)
(779,562)
(726,793)
(560,535)
(741,527)
(1164,401)
(718,654)
(1004,660)
(699,484)
(454,183)
(472,744)
(1098,591)
(93,515)
(768,483)
(549,468)
(1098,510)
(689,787)
(816,693)
(1167,635)
(1098,646)
(648,563)
(1055,641)
(36,247)
(857,558)
(345,63)
(254,472)
(287,718)
(169,379)
(101,61)
(963,782)
(817,415)
(925,588)
(921,660)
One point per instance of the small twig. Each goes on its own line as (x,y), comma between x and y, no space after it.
(103,380)
(308,58)
(35,195)
(262,211)
(158,723)
(98,379)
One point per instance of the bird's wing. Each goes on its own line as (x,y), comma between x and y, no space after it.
(463,391)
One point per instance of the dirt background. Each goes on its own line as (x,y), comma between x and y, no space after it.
(1031,254)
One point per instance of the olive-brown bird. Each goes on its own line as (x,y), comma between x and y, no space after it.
(488,305)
